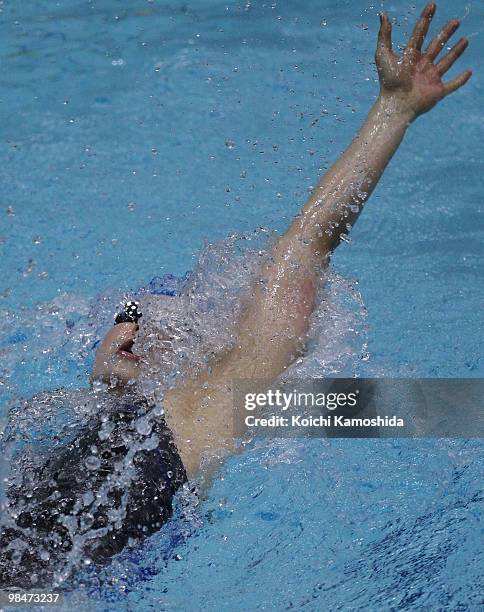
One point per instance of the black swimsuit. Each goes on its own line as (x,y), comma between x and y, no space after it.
(118,476)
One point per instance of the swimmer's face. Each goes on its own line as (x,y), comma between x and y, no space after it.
(115,363)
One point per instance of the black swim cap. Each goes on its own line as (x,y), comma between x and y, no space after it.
(129,314)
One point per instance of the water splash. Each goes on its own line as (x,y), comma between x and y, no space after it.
(178,335)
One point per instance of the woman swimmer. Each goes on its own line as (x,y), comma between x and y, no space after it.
(270,334)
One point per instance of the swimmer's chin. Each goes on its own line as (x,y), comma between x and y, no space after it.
(118,371)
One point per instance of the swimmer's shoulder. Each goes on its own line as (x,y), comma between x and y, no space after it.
(197,414)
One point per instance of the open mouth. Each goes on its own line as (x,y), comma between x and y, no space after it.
(125,350)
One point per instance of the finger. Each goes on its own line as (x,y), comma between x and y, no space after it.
(462,79)
(384,53)
(385,34)
(439,41)
(421,27)
(456,51)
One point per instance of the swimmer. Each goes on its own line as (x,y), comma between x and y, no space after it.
(271,333)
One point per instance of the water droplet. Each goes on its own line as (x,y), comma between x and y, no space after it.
(30,266)
(16,556)
(88,498)
(151,443)
(105,431)
(93,463)
(143,426)
(158,410)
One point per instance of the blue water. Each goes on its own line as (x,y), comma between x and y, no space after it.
(131,133)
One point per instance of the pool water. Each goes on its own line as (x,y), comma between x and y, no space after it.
(131,135)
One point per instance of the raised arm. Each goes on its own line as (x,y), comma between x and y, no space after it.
(410,85)
(273,329)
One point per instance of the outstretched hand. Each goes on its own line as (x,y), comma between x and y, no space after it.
(414,79)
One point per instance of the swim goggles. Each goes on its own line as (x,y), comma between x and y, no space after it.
(130,313)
